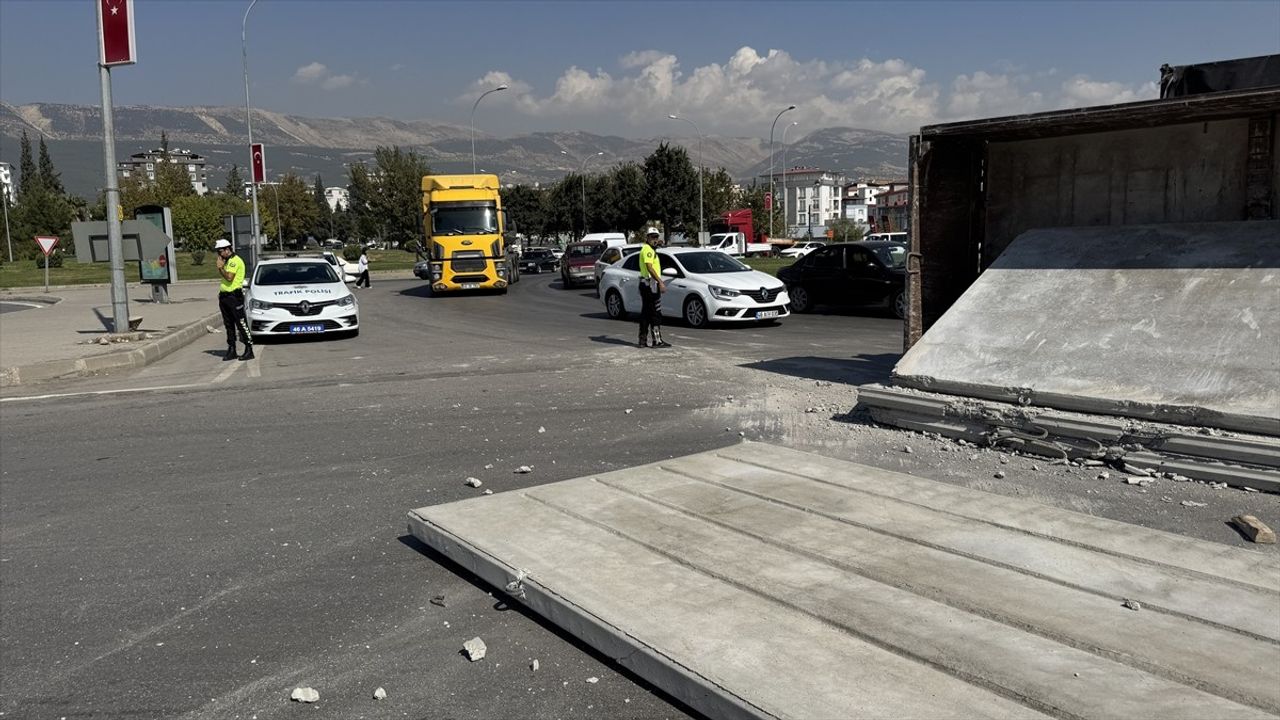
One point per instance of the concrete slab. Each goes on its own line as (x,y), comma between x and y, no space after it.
(1176,322)
(758,581)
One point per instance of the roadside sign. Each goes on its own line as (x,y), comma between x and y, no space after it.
(768,201)
(259,163)
(47,244)
(116,44)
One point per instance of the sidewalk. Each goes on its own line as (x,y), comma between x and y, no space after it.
(58,336)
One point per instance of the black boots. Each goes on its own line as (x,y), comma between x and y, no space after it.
(248,353)
(231,353)
(658,342)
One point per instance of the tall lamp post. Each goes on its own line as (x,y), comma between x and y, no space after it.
(582,171)
(786,216)
(248,116)
(701,226)
(789,108)
(473,124)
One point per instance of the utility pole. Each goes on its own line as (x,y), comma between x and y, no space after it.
(248,121)
(115,47)
(771,200)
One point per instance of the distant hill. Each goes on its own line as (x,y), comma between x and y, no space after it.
(308,146)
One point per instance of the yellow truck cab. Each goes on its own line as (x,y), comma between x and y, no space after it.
(464,226)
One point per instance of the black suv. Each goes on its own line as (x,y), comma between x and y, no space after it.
(538,260)
(856,273)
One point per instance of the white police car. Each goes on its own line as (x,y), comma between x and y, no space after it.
(299,296)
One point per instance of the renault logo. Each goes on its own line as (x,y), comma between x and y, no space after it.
(764,294)
(305,307)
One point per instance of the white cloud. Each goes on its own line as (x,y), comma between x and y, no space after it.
(317,73)
(744,93)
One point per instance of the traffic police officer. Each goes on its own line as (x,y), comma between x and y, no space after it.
(231,300)
(651,289)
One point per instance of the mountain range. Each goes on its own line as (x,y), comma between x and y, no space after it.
(310,146)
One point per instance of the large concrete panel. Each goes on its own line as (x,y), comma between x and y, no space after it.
(758,581)
(1173,322)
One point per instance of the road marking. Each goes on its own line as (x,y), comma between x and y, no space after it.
(23,303)
(235,365)
(100,392)
(255,370)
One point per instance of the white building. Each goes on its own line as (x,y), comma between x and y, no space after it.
(861,199)
(811,198)
(144,163)
(337,197)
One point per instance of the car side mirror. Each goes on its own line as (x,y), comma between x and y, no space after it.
(670,272)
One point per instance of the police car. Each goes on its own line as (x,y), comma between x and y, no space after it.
(299,296)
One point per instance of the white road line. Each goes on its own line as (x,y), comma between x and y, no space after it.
(255,370)
(100,392)
(235,365)
(24,304)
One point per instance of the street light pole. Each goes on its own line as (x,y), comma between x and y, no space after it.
(701,225)
(582,172)
(248,118)
(786,216)
(473,124)
(771,129)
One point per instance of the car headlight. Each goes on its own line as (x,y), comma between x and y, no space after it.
(259,305)
(723,293)
(347,301)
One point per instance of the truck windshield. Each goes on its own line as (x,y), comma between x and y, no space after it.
(464,219)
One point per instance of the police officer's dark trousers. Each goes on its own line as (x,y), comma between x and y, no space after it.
(650,312)
(232,306)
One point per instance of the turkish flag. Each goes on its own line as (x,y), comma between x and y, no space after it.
(115,33)
(768,201)
(259,163)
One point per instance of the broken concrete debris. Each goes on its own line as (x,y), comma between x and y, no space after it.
(1254,529)
(473,482)
(1131,604)
(534,665)
(523,470)
(999,475)
(907,449)
(487,491)
(304,695)
(474,648)
(379,694)
(1193,504)
(593,680)
(438,600)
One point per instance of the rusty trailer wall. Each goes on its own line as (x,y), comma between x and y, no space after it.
(978,185)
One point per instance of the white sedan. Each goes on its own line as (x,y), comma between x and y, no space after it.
(299,296)
(801,249)
(702,286)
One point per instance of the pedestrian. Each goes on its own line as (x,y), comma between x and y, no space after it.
(231,300)
(362,269)
(651,289)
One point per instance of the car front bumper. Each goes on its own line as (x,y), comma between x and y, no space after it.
(744,308)
(276,321)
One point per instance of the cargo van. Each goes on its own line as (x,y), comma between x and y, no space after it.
(894,236)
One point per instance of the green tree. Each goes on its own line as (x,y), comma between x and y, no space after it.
(629,197)
(846,230)
(297,210)
(136,191)
(324,225)
(342,225)
(164,142)
(172,181)
(49,176)
(671,186)
(602,204)
(27,175)
(562,205)
(235,183)
(398,200)
(526,208)
(361,203)
(718,193)
(197,221)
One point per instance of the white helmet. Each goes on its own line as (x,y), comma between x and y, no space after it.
(223,243)
(653,231)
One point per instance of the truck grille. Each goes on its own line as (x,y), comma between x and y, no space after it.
(470,278)
(312,308)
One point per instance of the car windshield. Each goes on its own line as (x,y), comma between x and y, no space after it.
(296,274)
(710,262)
(583,251)
(464,219)
(893,256)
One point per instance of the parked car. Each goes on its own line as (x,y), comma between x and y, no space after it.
(858,273)
(299,296)
(346,270)
(610,256)
(579,262)
(703,286)
(538,260)
(422,269)
(801,249)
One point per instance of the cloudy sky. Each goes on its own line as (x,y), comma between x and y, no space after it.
(620,68)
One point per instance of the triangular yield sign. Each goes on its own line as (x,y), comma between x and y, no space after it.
(47,244)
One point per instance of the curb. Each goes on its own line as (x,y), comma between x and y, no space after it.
(143,355)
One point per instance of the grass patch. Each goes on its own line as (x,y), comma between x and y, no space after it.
(768,264)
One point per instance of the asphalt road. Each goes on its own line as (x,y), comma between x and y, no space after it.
(197,538)
(8,307)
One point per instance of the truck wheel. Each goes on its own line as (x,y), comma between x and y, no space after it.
(800,300)
(695,312)
(613,305)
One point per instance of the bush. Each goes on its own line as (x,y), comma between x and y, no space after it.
(197,257)
(54,260)
(351,253)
